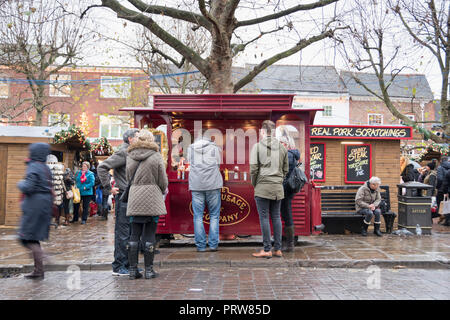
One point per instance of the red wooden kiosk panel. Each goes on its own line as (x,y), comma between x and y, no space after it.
(224,112)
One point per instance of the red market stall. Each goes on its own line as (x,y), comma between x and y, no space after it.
(233,122)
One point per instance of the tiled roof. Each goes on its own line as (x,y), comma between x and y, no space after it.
(294,78)
(402,87)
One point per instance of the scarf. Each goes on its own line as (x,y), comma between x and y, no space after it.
(83,177)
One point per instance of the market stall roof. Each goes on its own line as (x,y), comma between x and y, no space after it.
(221,103)
(26,134)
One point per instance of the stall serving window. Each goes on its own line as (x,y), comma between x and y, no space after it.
(234,139)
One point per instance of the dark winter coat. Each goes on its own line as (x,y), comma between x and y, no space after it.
(68,181)
(441,172)
(446,183)
(408,173)
(293,157)
(38,202)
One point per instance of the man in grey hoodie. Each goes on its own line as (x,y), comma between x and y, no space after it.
(205,183)
(117,162)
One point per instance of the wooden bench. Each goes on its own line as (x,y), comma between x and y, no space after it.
(339,213)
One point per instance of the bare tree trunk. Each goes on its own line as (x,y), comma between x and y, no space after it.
(220,64)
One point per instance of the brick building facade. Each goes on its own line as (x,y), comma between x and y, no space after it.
(91,98)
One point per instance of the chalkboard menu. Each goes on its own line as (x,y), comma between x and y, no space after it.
(358,163)
(317,161)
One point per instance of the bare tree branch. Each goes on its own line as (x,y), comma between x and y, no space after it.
(300,7)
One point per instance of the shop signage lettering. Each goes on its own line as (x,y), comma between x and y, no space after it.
(317,161)
(357,163)
(361,132)
(234,209)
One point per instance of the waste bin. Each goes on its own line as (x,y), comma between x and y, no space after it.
(414,206)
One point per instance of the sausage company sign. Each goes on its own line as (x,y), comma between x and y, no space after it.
(234,209)
(358,132)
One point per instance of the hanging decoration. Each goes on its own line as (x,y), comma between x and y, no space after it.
(73,135)
(441,148)
(102,147)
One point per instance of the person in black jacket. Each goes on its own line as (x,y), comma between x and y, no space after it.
(441,172)
(286,202)
(445,188)
(69,182)
(37,205)
(406,169)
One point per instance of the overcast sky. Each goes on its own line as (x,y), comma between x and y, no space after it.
(109,53)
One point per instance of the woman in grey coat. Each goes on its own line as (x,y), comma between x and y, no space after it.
(147,174)
(37,205)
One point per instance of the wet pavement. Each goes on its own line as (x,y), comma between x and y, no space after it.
(91,246)
(218,283)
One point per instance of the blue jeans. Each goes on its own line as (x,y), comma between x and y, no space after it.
(368,214)
(269,208)
(213,200)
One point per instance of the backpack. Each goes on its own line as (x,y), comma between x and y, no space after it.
(296,179)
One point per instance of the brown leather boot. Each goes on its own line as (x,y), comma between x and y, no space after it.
(38,256)
(263,254)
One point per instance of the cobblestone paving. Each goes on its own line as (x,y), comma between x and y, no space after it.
(93,244)
(236,283)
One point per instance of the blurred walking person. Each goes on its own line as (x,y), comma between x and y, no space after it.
(37,205)
(146,173)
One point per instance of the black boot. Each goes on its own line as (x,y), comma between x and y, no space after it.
(289,233)
(376,229)
(38,256)
(149,254)
(365,226)
(447,220)
(133,257)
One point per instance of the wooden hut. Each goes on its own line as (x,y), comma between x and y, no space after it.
(350,155)
(14,143)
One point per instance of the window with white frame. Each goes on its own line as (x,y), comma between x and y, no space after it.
(375,119)
(60,85)
(410,116)
(4,86)
(115,87)
(59,120)
(113,127)
(327,111)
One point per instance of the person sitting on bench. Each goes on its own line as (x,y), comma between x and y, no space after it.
(367,203)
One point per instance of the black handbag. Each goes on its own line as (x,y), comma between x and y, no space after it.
(296,180)
(126,193)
